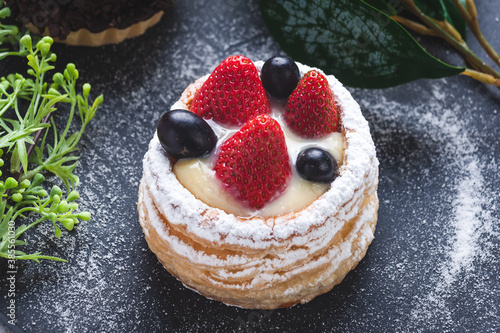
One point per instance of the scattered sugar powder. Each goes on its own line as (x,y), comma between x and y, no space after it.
(468,230)
(470,217)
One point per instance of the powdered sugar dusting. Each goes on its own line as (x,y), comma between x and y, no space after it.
(467,227)
(469,218)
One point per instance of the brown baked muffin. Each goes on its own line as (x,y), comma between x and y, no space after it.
(88,22)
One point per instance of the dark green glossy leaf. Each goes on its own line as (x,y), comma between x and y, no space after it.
(362,46)
(432,8)
(388,8)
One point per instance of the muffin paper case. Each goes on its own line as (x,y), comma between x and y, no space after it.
(88,23)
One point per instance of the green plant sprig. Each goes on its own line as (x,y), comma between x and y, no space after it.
(30,197)
(28,133)
(59,160)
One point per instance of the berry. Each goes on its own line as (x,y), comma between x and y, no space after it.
(311,111)
(253,164)
(317,165)
(232,94)
(184,134)
(280,76)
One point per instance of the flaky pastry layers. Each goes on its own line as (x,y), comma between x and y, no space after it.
(273,262)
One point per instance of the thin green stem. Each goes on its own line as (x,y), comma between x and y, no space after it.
(71,114)
(34,106)
(12,98)
(417,27)
(22,210)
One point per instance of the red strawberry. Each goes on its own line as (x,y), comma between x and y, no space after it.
(311,110)
(253,164)
(233,93)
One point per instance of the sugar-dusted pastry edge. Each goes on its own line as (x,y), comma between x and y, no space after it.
(279,286)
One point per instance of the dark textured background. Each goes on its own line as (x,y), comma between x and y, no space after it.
(433,266)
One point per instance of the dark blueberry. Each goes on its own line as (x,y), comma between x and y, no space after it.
(185,134)
(280,76)
(317,165)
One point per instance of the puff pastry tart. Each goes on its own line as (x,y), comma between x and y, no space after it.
(259,186)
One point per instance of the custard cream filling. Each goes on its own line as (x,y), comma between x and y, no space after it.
(197,174)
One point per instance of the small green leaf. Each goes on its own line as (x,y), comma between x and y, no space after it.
(20,230)
(19,253)
(15,161)
(349,39)
(4,225)
(22,153)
